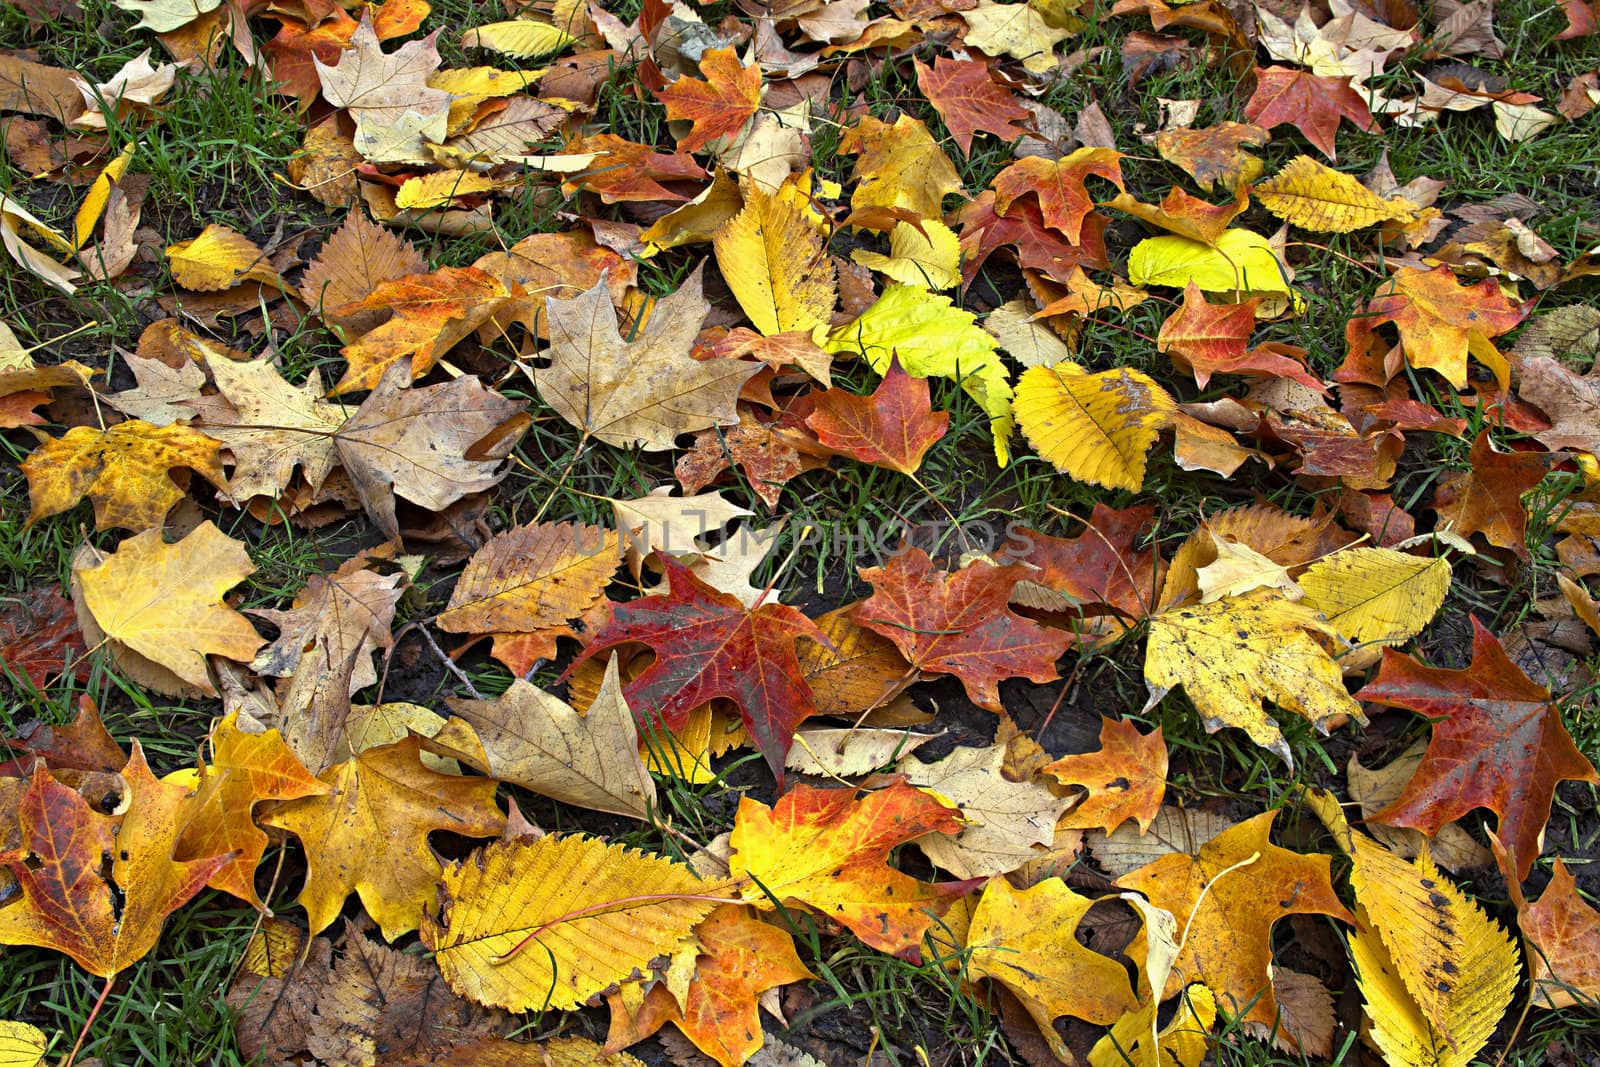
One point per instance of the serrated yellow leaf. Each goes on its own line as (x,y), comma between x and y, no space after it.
(1312,196)
(530,924)
(220,258)
(1234,653)
(930,258)
(440,188)
(773,255)
(518,37)
(1094,427)
(933,338)
(1240,261)
(1376,595)
(94,202)
(21,1045)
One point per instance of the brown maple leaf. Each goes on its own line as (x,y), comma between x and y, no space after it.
(894,427)
(1487,498)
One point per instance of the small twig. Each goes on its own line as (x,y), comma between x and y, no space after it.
(449,664)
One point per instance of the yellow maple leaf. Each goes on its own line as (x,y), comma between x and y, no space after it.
(1233,653)
(899,166)
(1015,30)
(1094,427)
(933,337)
(547,923)
(220,258)
(164,602)
(773,255)
(124,470)
(1183,1042)
(439,189)
(929,257)
(1312,196)
(1376,595)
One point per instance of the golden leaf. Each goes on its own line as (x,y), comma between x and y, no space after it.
(1094,427)
(1240,261)
(773,255)
(220,258)
(1312,196)
(929,257)
(1183,1042)
(124,470)
(520,38)
(21,1045)
(1376,595)
(547,923)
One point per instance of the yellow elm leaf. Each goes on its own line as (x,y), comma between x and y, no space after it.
(94,202)
(1240,261)
(1234,653)
(1093,427)
(124,470)
(440,188)
(1376,595)
(220,258)
(164,602)
(546,923)
(930,258)
(1312,196)
(21,1045)
(519,38)
(773,255)
(932,337)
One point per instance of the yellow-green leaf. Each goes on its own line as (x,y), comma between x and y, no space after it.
(930,257)
(531,924)
(1312,196)
(1094,427)
(773,255)
(933,338)
(518,37)
(1234,653)
(21,1045)
(1240,261)
(1376,595)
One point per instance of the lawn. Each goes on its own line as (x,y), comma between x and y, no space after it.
(1171,422)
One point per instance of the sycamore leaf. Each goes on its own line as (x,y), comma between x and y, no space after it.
(827,849)
(1093,427)
(1435,315)
(269,427)
(959,623)
(1233,653)
(720,105)
(932,336)
(64,851)
(537,741)
(220,258)
(1005,819)
(1498,742)
(245,769)
(545,923)
(1230,892)
(773,255)
(164,602)
(968,99)
(531,578)
(1315,197)
(369,835)
(894,427)
(1125,779)
(1376,595)
(929,256)
(1025,940)
(1058,184)
(125,470)
(1240,261)
(1311,103)
(643,392)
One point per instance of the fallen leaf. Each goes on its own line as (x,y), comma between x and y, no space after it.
(773,255)
(1137,1039)
(929,257)
(1125,779)
(720,105)
(899,166)
(1373,790)
(1216,154)
(531,578)
(1058,185)
(1563,932)
(1094,427)
(1314,104)
(124,470)
(1314,197)
(1487,497)
(893,427)
(968,99)
(387,94)
(1376,595)
(1435,315)
(1014,30)
(1241,262)
(220,258)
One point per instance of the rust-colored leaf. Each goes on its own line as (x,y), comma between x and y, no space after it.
(968,98)
(1311,103)
(720,105)
(894,427)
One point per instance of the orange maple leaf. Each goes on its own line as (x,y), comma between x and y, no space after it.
(720,105)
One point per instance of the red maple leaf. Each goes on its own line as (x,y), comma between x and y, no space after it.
(969,99)
(708,645)
(893,428)
(1038,247)
(39,638)
(1058,185)
(624,170)
(1311,103)
(1497,743)
(960,623)
(718,106)
(1487,499)
(1099,569)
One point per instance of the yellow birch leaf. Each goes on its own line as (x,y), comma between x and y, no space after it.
(94,202)
(1376,595)
(773,255)
(930,257)
(933,337)
(1234,653)
(21,1045)
(519,38)
(1095,428)
(220,258)
(1312,196)
(440,188)
(546,923)
(1240,261)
